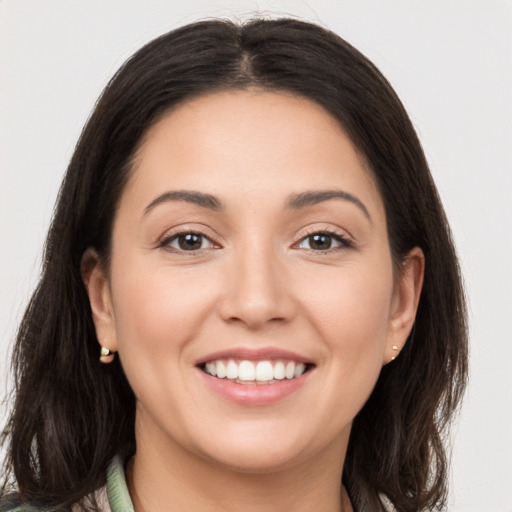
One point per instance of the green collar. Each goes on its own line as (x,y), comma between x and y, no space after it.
(117,490)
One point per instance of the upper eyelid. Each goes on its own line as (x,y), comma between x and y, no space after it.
(166,239)
(345,239)
(199,229)
(328,230)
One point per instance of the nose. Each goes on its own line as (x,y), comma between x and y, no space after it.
(257,291)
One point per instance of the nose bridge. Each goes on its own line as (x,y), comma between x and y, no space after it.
(256,293)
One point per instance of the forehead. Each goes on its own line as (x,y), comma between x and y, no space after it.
(259,143)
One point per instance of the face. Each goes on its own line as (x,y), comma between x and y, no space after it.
(251,294)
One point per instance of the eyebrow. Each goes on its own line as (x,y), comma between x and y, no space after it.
(305,199)
(294,202)
(198,198)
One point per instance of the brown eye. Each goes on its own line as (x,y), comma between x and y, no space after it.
(189,242)
(323,242)
(320,242)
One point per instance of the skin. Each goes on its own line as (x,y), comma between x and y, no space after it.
(257,281)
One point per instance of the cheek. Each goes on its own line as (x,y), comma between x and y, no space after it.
(157,311)
(352,316)
(351,305)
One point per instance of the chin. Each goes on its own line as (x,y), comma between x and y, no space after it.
(257,462)
(260,452)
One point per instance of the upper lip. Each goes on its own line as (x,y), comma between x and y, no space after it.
(254,354)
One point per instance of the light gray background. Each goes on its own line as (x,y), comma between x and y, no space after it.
(450,62)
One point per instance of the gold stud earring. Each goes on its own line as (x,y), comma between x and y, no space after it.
(395,348)
(106,355)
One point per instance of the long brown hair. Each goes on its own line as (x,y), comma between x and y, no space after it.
(71,415)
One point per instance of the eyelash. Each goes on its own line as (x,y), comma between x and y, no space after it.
(345,243)
(166,242)
(343,240)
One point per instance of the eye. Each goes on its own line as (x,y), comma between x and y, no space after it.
(188,242)
(323,242)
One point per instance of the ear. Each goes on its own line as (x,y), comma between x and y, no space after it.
(98,290)
(406,296)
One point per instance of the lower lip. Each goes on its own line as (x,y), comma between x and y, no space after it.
(254,394)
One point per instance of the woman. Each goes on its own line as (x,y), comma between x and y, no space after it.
(247,237)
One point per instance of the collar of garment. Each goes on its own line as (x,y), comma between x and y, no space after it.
(117,490)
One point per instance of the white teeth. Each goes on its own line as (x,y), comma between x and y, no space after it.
(221,369)
(211,368)
(290,370)
(279,370)
(262,372)
(246,371)
(232,370)
(300,369)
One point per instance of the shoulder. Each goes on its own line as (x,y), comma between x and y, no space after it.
(12,507)
(11,503)
(112,497)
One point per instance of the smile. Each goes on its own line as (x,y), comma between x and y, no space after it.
(255,372)
(255,376)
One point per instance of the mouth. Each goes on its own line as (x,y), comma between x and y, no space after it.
(256,371)
(249,376)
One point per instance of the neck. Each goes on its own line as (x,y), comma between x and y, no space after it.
(174,479)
